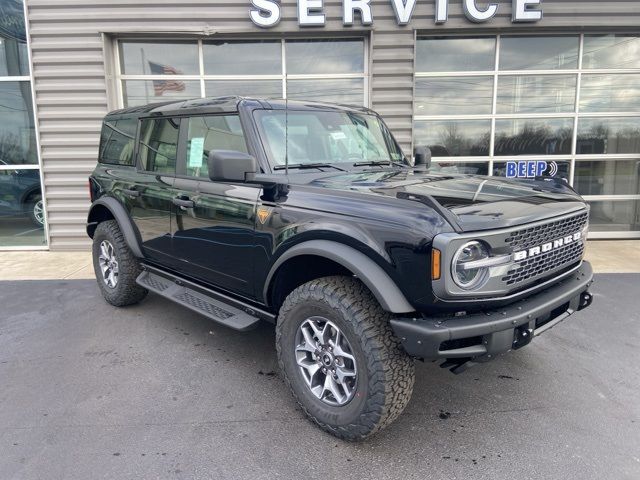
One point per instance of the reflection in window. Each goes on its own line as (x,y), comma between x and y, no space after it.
(142,92)
(117,142)
(611,51)
(440,54)
(607,177)
(534,137)
(537,94)
(21,209)
(324,56)
(17,130)
(610,93)
(14,59)
(348,91)
(158,58)
(242,58)
(159,145)
(454,138)
(513,169)
(612,216)
(608,135)
(454,95)
(539,53)
(246,88)
(461,168)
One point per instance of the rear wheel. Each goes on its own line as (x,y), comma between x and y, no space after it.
(340,358)
(35,209)
(115,266)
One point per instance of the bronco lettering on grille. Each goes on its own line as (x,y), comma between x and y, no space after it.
(547,247)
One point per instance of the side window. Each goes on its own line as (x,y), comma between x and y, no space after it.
(117,141)
(215,132)
(159,144)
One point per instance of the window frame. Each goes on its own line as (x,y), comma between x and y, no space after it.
(140,168)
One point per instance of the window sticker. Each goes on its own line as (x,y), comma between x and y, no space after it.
(196,152)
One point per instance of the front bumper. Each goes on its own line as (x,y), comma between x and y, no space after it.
(479,337)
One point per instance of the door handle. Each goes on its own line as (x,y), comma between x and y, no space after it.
(131,193)
(183,202)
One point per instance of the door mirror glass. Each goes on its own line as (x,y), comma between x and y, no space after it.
(231,166)
(422,156)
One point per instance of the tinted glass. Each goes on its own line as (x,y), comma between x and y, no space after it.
(610,93)
(141,92)
(242,58)
(217,132)
(462,168)
(455,54)
(159,145)
(348,91)
(14,59)
(17,131)
(608,135)
(247,88)
(454,138)
(159,58)
(324,56)
(118,142)
(453,95)
(21,211)
(533,168)
(534,136)
(608,177)
(612,216)
(536,94)
(611,51)
(538,53)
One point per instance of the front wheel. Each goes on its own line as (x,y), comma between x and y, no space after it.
(340,358)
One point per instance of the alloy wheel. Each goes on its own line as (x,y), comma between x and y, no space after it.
(38,212)
(108,264)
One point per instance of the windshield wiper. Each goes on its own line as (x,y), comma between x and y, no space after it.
(378,163)
(304,166)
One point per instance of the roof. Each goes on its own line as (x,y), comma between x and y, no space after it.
(228,104)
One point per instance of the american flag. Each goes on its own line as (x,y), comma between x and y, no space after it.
(161,86)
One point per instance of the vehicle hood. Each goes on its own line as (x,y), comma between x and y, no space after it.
(470,203)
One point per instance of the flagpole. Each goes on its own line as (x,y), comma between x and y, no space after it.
(144,67)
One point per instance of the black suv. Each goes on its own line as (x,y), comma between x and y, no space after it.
(309,216)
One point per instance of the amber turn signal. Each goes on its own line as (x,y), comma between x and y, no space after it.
(435,264)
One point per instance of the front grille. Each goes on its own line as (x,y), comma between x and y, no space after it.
(552,261)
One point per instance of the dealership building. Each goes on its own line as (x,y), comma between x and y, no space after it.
(513,88)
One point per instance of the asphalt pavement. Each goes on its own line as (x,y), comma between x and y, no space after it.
(88,391)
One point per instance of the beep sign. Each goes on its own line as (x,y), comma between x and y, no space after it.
(531,169)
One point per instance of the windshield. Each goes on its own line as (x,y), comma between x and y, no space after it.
(325,137)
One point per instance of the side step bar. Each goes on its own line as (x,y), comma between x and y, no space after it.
(199,299)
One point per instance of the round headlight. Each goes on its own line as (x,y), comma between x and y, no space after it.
(464,274)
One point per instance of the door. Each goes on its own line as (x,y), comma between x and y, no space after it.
(214,224)
(152,188)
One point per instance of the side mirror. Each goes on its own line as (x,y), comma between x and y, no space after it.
(422,156)
(231,166)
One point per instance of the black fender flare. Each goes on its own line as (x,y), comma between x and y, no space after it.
(370,273)
(127,227)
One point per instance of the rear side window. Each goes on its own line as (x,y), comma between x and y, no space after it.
(159,144)
(117,141)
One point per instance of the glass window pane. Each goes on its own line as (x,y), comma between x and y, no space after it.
(141,92)
(159,58)
(21,211)
(324,56)
(532,169)
(454,138)
(536,94)
(159,144)
(544,136)
(454,95)
(611,51)
(17,131)
(214,132)
(348,91)
(455,54)
(539,53)
(615,216)
(462,168)
(117,142)
(608,135)
(246,88)
(608,177)
(610,93)
(242,58)
(14,59)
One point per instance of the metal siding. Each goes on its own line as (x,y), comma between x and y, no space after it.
(71,85)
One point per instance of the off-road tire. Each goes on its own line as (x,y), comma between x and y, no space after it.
(126,291)
(385,372)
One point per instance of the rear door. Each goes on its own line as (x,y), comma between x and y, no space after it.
(213,230)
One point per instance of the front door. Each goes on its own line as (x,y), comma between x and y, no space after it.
(214,223)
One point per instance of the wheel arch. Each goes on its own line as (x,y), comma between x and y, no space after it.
(108,208)
(345,260)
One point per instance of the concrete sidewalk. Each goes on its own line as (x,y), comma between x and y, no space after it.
(619,256)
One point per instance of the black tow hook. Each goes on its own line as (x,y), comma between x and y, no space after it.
(586,299)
